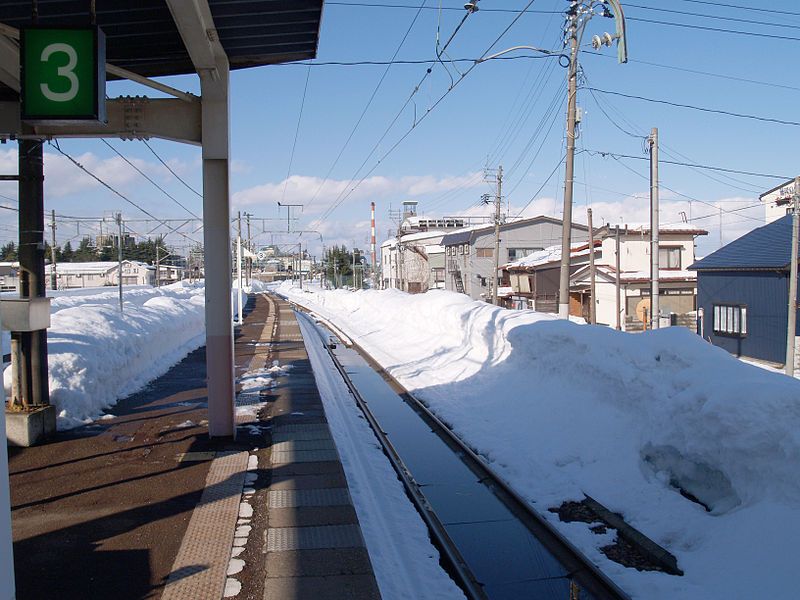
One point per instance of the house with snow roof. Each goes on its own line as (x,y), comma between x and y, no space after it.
(743,294)
(534,280)
(101,273)
(469,253)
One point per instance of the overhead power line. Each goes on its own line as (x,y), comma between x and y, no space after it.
(744,7)
(296,133)
(686,164)
(178,177)
(143,174)
(343,196)
(773,36)
(698,108)
(368,104)
(118,193)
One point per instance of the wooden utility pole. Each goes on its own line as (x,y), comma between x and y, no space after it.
(592,274)
(655,311)
(239,319)
(497,203)
(250,248)
(791,327)
(619,302)
(53,279)
(566,219)
(119,259)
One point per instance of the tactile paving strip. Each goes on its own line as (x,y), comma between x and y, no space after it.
(319,497)
(295,444)
(282,539)
(209,536)
(300,456)
(318,434)
(302,427)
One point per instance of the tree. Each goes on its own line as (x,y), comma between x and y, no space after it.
(8,252)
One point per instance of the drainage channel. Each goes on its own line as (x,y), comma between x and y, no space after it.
(501,548)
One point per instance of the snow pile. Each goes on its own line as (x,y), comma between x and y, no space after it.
(98,355)
(562,410)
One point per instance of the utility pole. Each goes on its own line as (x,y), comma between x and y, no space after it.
(250,248)
(239,320)
(655,310)
(619,302)
(119,259)
(566,221)
(791,327)
(578,15)
(300,266)
(53,278)
(354,265)
(592,297)
(372,251)
(497,203)
(158,265)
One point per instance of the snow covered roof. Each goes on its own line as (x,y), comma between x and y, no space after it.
(549,255)
(644,228)
(466,234)
(92,268)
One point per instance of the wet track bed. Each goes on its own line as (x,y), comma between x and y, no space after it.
(505,550)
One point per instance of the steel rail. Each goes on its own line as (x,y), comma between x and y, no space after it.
(581,570)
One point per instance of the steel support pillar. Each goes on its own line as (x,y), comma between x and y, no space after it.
(217,250)
(33,344)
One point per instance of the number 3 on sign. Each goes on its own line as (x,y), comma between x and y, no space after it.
(67,71)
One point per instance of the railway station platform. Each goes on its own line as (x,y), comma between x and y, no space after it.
(142,504)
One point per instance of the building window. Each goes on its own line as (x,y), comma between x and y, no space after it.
(465,249)
(517,253)
(730,320)
(484,252)
(669,257)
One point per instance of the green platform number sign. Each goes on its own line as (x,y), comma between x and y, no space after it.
(63,74)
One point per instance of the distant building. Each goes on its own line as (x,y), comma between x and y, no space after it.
(777,201)
(109,240)
(9,276)
(97,274)
(536,278)
(469,253)
(743,291)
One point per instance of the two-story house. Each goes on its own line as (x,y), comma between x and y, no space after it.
(469,253)
(621,298)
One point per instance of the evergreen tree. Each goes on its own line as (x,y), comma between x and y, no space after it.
(8,252)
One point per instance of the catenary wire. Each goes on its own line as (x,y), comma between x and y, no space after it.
(143,174)
(178,177)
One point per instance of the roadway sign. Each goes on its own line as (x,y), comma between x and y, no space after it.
(63,72)
(261,255)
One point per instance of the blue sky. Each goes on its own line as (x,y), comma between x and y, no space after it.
(508,112)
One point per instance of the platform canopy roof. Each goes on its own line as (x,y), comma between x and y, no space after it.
(142,37)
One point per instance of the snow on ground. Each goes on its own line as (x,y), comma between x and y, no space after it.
(405,563)
(97,355)
(561,409)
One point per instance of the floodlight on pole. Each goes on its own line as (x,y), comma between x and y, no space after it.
(578,15)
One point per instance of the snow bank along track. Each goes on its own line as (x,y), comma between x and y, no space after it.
(494,543)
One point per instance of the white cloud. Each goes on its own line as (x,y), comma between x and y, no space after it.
(302,189)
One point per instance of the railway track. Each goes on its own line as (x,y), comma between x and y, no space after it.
(495,544)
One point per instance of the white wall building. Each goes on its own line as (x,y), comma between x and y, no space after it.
(536,277)
(777,201)
(98,274)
